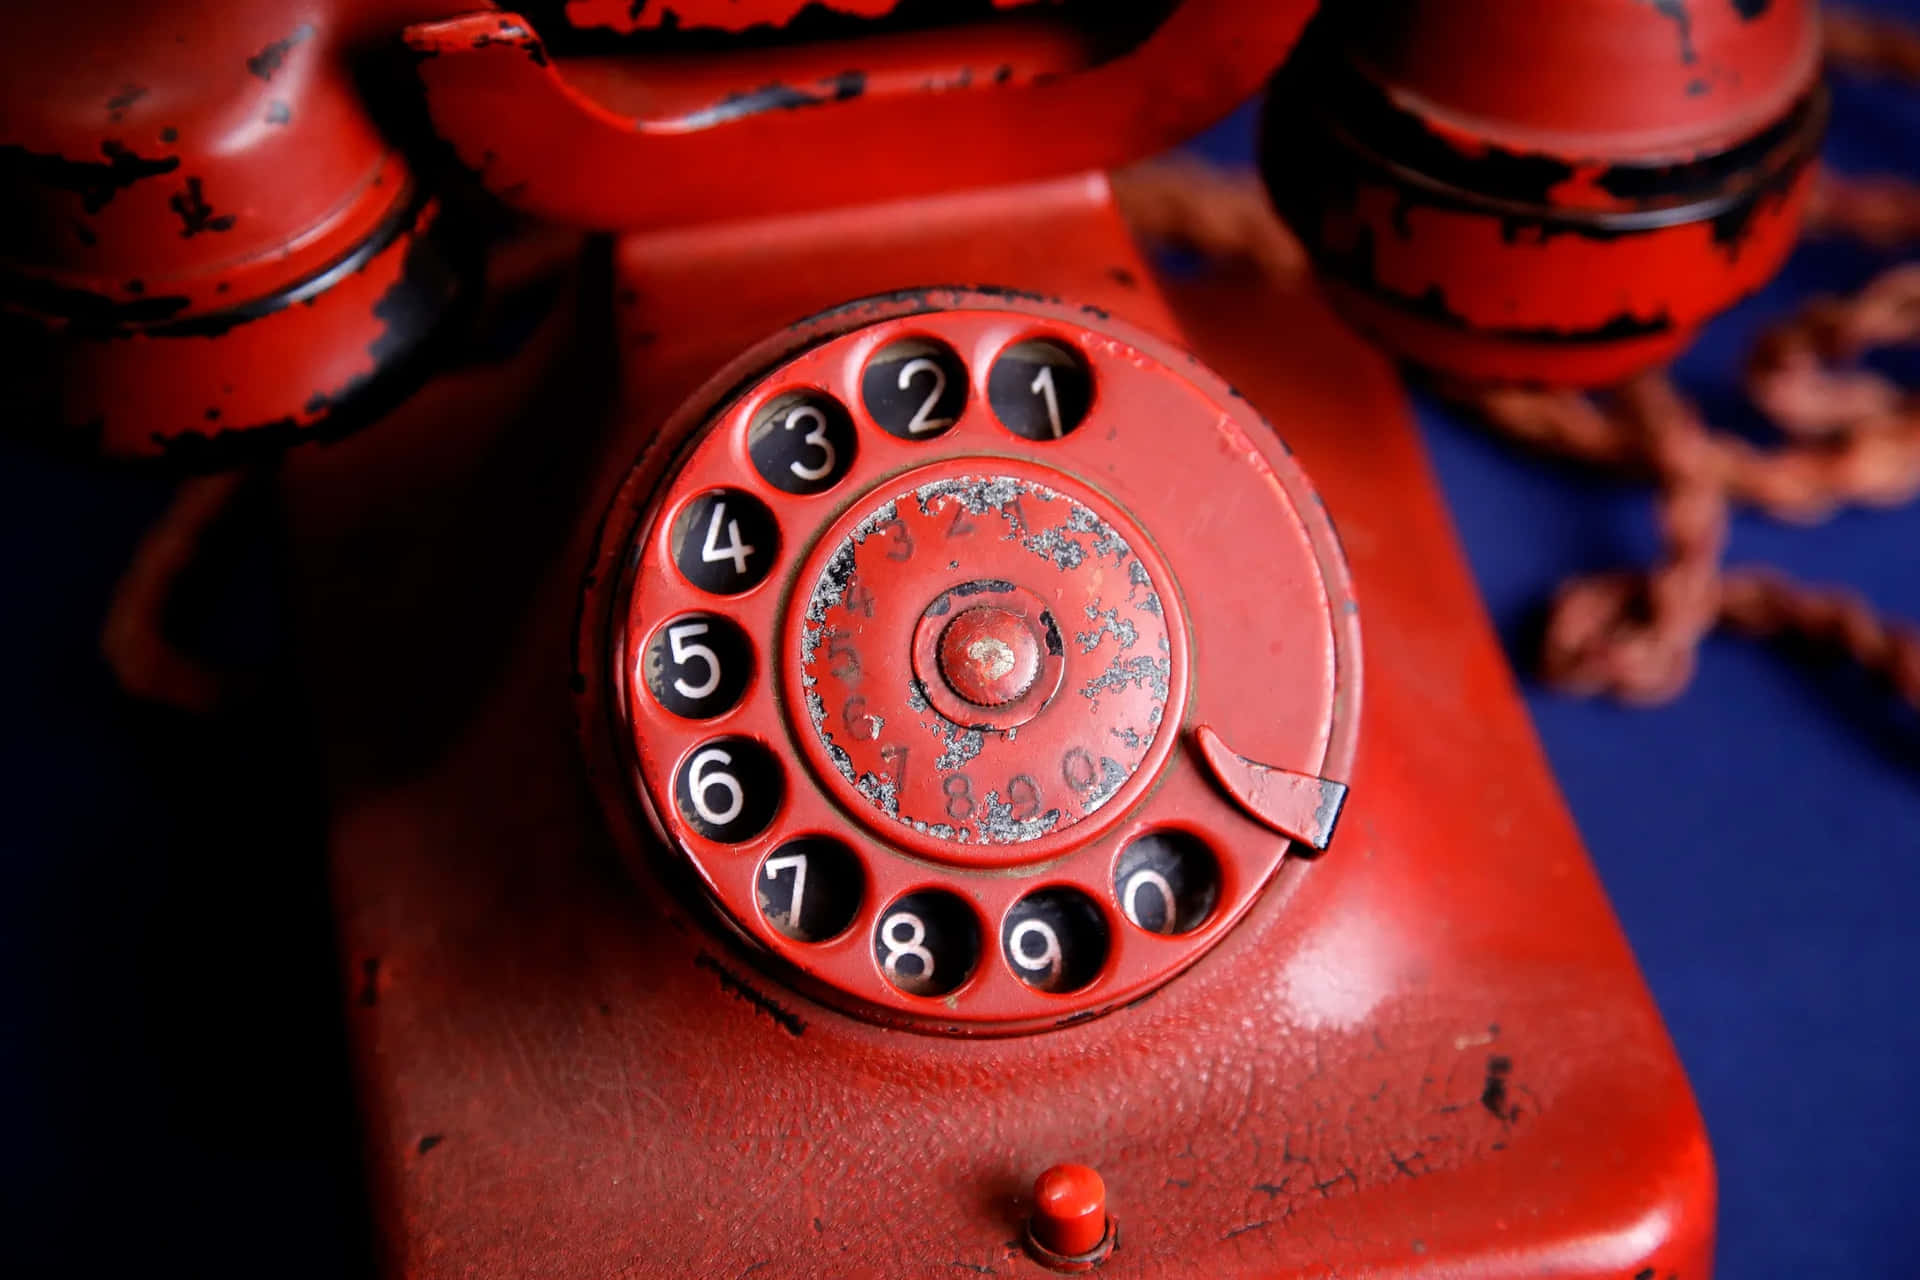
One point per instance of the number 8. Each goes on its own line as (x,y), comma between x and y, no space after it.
(908,946)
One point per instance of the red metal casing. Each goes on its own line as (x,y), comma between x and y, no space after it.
(1425,1052)
(1558,194)
(210,244)
(1028,93)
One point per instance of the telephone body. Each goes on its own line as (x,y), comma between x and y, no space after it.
(853,709)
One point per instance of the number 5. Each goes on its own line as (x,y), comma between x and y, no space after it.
(684,653)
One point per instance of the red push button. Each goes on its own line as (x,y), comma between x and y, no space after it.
(1070,1214)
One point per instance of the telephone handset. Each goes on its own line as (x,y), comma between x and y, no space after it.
(937,660)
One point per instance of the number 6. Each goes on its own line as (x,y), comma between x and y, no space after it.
(700,782)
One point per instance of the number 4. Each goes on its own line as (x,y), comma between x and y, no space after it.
(712,552)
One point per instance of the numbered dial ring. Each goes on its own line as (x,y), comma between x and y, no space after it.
(912,643)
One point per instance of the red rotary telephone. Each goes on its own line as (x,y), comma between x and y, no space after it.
(843,693)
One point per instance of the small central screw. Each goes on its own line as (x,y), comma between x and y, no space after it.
(989,656)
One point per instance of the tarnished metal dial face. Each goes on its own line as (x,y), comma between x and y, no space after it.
(974,660)
(986,659)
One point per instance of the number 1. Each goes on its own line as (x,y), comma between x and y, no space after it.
(1042,386)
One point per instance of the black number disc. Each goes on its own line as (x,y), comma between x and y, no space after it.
(1055,940)
(823,876)
(915,389)
(927,943)
(725,541)
(1040,390)
(802,442)
(698,665)
(1167,882)
(728,789)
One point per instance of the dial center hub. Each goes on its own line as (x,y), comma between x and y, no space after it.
(988,656)
(1043,669)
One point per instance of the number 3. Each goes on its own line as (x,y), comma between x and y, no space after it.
(816,437)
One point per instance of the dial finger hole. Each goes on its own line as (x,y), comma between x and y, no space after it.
(698,665)
(725,541)
(728,789)
(1167,882)
(927,943)
(802,442)
(810,889)
(1055,939)
(1040,389)
(915,389)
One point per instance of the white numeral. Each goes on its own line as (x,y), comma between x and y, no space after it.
(797,863)
(1042,386)
(816,437)
(684,653)
(921,423)
(907,946)
(1158,883)
(1048,961)
(733,551)
(700,781)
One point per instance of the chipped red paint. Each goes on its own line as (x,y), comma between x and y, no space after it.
(629,143)
(625,16)
(1546,194)
(212,236)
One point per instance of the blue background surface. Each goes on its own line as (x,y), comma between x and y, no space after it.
(169,1037)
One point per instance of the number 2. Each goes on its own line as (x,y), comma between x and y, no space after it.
(921,422)
(712,552)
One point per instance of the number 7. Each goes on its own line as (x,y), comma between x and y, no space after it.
(798,863)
